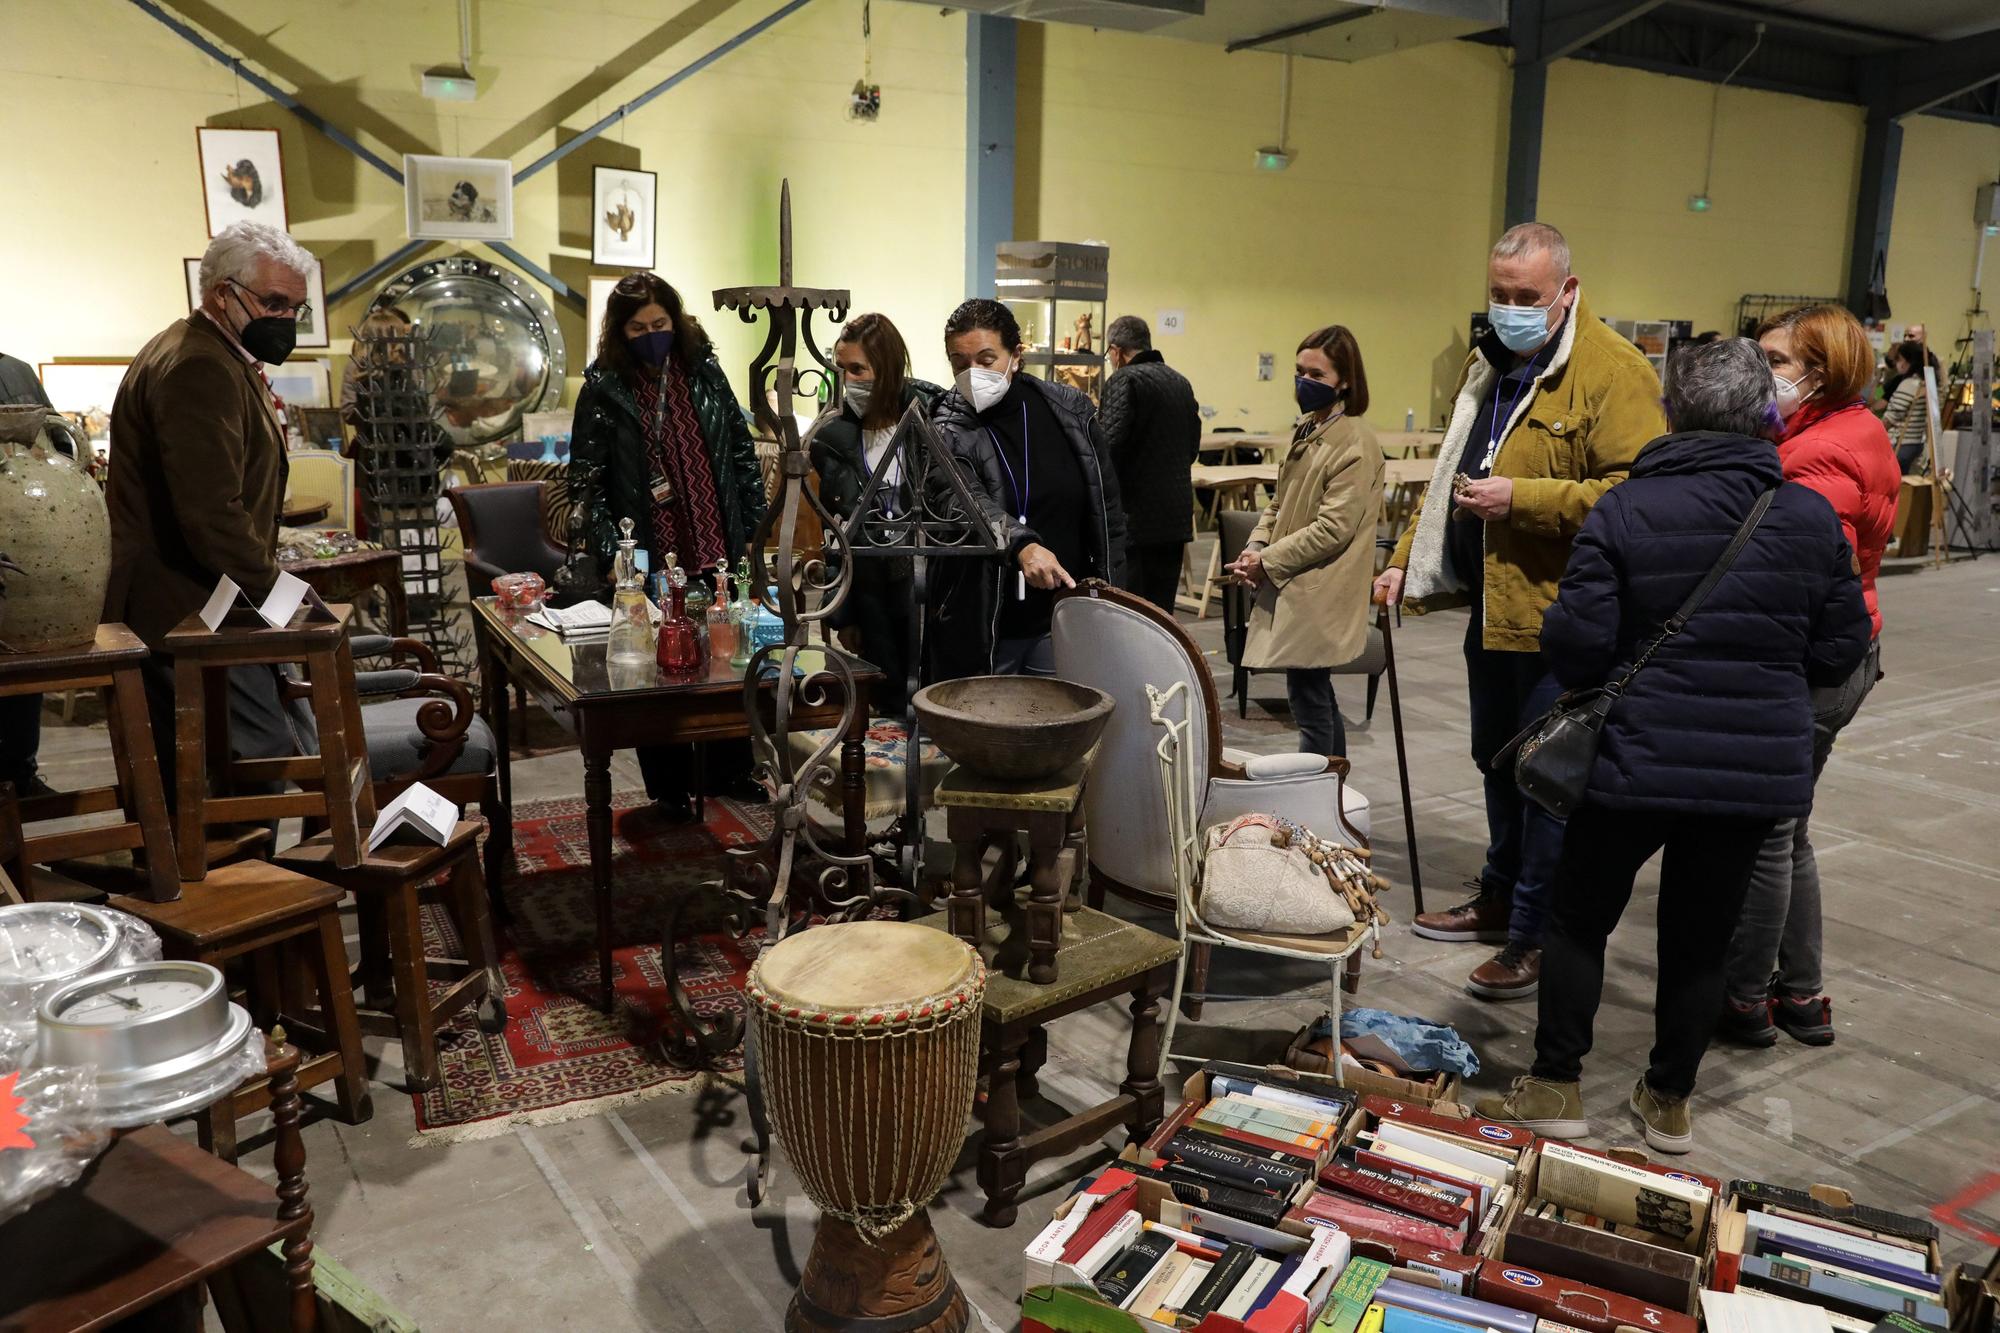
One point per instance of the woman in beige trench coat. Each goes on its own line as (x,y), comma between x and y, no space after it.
(1312,555)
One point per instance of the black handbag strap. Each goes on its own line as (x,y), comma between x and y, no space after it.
(1678,620)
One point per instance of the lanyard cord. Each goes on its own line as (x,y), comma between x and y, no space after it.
(1023,485)
(1493,434)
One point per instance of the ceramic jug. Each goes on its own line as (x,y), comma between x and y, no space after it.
(53,519)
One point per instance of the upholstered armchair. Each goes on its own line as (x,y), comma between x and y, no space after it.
(501,526)
(1121,644)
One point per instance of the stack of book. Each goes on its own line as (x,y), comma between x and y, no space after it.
(1857,1264)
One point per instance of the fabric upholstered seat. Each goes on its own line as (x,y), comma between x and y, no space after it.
(883,769)
(397,747)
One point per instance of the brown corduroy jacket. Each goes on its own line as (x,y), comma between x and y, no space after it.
(197,479)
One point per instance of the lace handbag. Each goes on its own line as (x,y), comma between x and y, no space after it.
(1259,876)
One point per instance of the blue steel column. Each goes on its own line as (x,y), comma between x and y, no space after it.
(1874,208)
(1524,111)
(989,145)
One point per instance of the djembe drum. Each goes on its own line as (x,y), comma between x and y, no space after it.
(868,1043)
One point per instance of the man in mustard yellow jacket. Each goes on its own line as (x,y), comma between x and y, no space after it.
(1549,413)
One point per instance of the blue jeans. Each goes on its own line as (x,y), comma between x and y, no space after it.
(1314,711)
(1507,691)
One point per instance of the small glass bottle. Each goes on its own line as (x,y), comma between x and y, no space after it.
(630,639)
(722,621)
(742,614)
(679,652)
(700,595)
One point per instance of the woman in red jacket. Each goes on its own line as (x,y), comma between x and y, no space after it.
(1821,359)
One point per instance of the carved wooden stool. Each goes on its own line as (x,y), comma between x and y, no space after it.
(339,788)
(982,812)
(388,888)
(286,928)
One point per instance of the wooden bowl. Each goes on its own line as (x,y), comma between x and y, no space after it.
(1016,728)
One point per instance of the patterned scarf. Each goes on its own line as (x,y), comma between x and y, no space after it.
(689,521)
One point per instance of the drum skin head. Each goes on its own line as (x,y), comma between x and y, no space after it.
(864,965)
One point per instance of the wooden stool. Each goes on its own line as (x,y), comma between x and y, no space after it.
(983,812)
(14,886)
(1103,959)
(255,910)
(109,664)
(339,788)
(388,889)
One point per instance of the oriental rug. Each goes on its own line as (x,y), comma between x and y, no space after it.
(560,1057)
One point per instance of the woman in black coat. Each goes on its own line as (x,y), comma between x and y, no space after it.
(848,442)
(1030,454)
(1712,741)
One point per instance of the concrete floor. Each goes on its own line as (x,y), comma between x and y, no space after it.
(638,1218)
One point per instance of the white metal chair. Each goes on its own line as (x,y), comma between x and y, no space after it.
(1182,787)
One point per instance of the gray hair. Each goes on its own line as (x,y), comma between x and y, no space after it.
(1129,333)
(1529,237)
(1722,386)
(234,254)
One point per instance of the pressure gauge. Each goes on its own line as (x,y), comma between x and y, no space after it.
(159,1035)
(51,942)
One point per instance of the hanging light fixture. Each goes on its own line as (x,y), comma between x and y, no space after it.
(865,102)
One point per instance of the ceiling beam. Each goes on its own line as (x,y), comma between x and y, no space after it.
(1747,15)
(1930,75)
(1346,15)
(1570,25)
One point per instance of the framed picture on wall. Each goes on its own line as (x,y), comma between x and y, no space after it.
(242,177)
(84,391)
(193,268)
(623,222)
(458,198)
(600,296)
(300,383)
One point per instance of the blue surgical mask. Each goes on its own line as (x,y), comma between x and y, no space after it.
(652,349)
(1313,395)
(1521,328)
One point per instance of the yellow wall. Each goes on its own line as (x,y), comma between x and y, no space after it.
(1623,150)
(100,103)
(1381,223)
(1932,238)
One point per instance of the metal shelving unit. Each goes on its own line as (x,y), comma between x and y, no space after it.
(1057,291)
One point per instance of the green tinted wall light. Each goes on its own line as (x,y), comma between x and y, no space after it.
(1698,203)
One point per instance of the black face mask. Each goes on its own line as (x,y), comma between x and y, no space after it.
(269,338)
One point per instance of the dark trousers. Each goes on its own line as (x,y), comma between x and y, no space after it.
(879,606)
(1703,876)
(1025,657)
(1153,571)
(263,724)
(1507,691)
(1315,712)
(20,736)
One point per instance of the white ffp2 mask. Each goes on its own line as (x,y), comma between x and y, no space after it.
(982,387)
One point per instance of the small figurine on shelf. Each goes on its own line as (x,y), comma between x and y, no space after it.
(679,652)
(1082,341)
(630,639)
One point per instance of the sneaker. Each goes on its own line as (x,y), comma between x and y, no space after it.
(1809,1020)
(1481,919)
(1669,1123)
(1554,1110)
(1515,973)
(1747,1024)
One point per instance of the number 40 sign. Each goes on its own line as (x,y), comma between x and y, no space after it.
(1170,321)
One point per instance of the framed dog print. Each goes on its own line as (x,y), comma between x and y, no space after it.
(458,198)
(242,177)
(623,223)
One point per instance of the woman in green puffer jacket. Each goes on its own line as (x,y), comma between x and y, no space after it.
(659,439)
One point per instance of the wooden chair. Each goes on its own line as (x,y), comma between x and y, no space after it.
(501,526)
(334,783)
(388,888)
(14,886)
(286,928)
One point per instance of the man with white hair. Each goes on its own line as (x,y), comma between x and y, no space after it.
(1549,412)
(198,472)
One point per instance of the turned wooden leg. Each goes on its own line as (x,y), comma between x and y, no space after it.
(1001,1171)
(1142,1058)
(1033,1056)
(1191,1000)
(289,1158)
(597,819)
(1046,862)
(968,899)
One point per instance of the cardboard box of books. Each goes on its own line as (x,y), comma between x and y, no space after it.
(1819,1247)
(1442,1086)
(1123,1254)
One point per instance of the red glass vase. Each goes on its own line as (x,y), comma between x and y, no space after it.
(679,652)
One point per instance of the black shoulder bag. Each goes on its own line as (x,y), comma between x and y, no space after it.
(1554,755)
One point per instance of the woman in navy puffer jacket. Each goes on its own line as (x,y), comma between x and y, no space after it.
(1712,743)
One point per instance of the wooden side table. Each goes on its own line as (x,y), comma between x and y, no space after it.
(110,664)
(1103,958)
(340,788)
(982,812)
(154,1217)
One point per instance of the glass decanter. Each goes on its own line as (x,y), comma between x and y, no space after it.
(722,620)
(630,639)
(700,596)
(742,614)
(679,651)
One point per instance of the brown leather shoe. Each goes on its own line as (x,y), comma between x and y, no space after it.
(1515,973)
(1478,920)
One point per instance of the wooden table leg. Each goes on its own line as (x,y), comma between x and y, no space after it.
(190,768)
(1001,1172)
(597,818)
(968,896)
(1142,1056)
(289,1158)
(145,796)
(1047,860)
